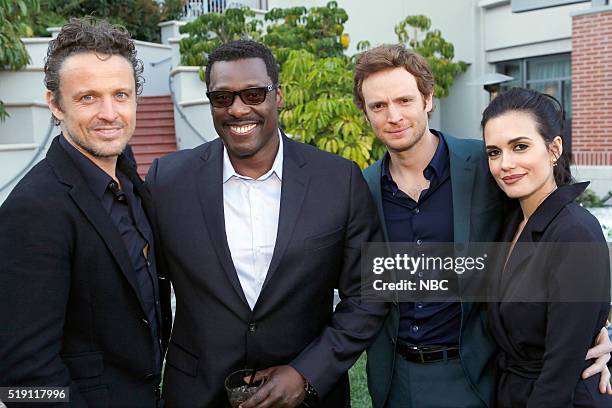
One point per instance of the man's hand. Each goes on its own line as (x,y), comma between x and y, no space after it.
(601,352)
(284,388)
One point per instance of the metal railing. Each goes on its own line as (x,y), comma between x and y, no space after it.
(195,8)
(41,147)
(179,109)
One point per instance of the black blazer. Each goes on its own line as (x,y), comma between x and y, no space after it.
(543,341)
(326,213)
(70,309)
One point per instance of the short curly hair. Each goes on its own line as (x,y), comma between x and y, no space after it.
(242,49)
(89,35)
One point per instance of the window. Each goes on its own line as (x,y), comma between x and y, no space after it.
(550,74)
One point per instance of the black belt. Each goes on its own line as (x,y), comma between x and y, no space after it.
(421,354)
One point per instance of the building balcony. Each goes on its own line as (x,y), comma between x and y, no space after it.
(195,8)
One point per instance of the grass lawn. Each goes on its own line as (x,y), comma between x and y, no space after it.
(359,386)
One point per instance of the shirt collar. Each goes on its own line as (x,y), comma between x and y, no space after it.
(277,165)
(94,176)
(439,164)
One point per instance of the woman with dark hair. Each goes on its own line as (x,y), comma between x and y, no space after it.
(551,291)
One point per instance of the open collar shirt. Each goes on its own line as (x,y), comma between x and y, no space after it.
(251,210)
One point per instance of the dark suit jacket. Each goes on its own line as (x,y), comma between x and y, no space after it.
(70,311)
(564,286)
(326,214)
(477,215)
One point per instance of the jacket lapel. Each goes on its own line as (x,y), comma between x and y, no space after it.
(511,264)
(98,217)
(463,173)
(522,252)
(372,176)
(209,180)
(526,245)
(293,190)
(93,210)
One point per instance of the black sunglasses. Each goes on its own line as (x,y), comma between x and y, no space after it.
(250,96)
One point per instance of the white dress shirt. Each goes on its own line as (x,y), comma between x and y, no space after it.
(251,208)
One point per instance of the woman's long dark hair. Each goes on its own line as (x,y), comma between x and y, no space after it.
(548,115)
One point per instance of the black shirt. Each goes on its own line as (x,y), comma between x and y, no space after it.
(125,209)
(428,220)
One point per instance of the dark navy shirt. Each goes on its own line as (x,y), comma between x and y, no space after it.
(428,220)
(125,210)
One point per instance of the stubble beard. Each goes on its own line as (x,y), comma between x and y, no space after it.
(420,132)
(97,153)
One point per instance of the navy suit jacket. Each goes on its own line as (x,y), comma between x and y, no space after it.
(326,213)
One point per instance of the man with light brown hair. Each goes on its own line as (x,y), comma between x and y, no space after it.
(429,187)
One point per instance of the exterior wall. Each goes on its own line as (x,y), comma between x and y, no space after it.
(26,133)
(549,31)
(592,88)
(504,30)
(157,61)
(599,176)
(14,158)
(170,30)
(189,95)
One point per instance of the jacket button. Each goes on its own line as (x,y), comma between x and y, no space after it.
(252,327)
(149,376)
